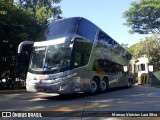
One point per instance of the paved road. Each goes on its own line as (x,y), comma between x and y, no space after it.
(134,100)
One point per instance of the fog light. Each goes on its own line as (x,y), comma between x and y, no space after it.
(62,87)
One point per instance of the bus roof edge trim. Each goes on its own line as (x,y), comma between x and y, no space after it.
(50,42)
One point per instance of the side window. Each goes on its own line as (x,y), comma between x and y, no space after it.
(77,60)
(87,29)
(105,39)
(119,68)
(104,66)
(81,53)
(97,66)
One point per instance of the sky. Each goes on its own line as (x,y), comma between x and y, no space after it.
(106,14)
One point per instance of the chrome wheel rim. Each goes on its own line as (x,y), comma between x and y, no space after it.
(93,86)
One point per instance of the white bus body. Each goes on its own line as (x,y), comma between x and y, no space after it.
(74,55)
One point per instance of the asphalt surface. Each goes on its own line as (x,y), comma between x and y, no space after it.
(113,105)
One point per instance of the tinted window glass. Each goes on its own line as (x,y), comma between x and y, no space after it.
(38,58)
(54,58)
(119,68)
(105,39)
(59,29)
(102,65)
(87,29)
(81,53)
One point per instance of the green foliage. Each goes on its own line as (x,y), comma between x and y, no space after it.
(42,14)
(150,47)
(16,25)
(20,22)
(143,16)
(125,46)
(42,9)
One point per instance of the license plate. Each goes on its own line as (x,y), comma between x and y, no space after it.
(40,89)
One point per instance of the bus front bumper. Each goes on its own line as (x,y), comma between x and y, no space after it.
(64,87)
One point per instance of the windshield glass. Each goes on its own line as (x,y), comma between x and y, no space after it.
(51,58)
(57,30)
(38,58)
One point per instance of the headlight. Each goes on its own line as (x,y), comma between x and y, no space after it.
(72,75)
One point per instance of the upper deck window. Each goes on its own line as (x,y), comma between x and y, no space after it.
(87,29)
(64,27)
(105,39)
(58,29)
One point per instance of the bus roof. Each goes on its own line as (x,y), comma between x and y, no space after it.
(64,27)
(69,26)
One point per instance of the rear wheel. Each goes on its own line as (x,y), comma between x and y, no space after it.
(104,85)
(94,86)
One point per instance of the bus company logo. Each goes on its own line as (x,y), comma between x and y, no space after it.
(42,77)
(6,114)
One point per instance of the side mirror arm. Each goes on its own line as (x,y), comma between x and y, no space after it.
(22,44)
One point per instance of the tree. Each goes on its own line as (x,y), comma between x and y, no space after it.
(143,17)
(16,25)
(42,9)
(125,46)
(150,46)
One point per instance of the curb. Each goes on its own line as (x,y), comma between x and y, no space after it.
(12,91)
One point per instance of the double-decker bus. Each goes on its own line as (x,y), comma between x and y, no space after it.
(74,55)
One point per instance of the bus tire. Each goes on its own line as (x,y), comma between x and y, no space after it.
(94,86)
(104,85)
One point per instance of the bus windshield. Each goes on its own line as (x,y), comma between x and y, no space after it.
(51,58)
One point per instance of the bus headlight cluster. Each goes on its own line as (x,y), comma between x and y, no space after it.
(29,78)
(63,86)
(78,79)
(69,76)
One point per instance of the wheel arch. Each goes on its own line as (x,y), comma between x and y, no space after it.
(106,78)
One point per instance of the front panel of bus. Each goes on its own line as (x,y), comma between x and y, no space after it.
(57,66)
